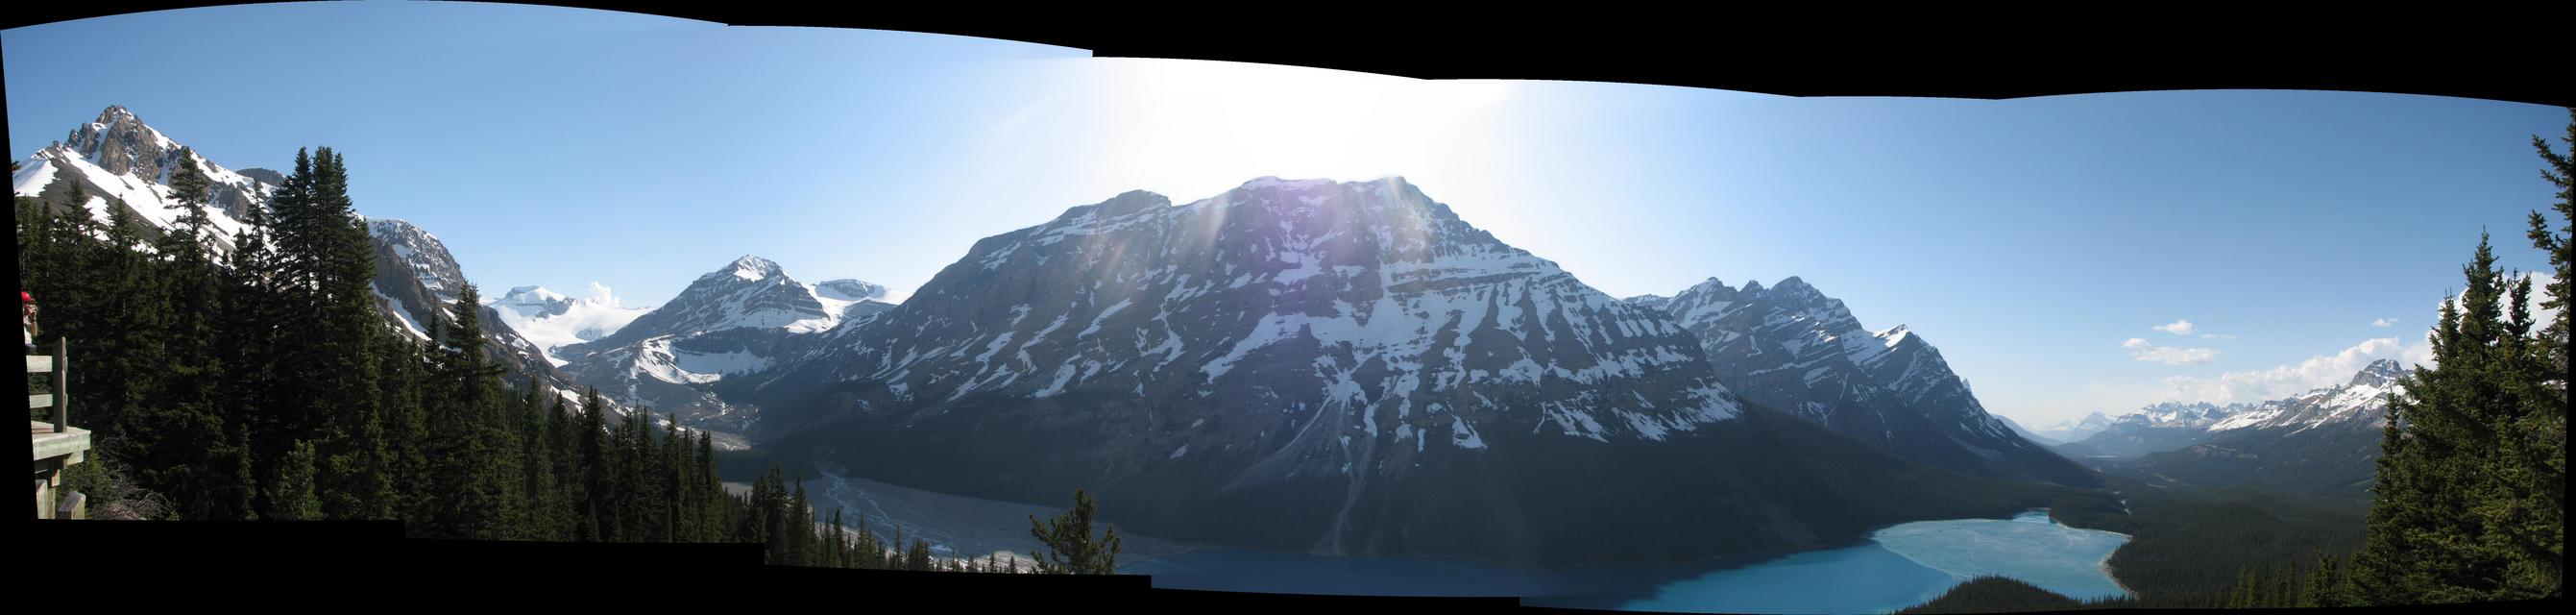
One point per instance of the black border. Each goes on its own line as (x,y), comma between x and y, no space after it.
(2514,55)
(1832,51)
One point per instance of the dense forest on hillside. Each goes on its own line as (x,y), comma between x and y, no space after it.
(263,383)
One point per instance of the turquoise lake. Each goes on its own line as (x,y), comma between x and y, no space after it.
(1896,567)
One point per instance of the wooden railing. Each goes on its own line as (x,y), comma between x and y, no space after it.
(57,444)
(59,366)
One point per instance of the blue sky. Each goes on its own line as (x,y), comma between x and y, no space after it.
(2030,239)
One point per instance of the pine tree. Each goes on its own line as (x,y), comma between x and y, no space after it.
(2437,464)
(2471,496)
(293,499)
(474,458)
(405,370)
(539,518)
(711,484)
(564,452)
(917,557)
(800,532)
(2325,585)
(1070,548)
(247,333)
(2531,527)
(670,461)
(597,511)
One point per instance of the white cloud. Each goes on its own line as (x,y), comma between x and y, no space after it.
(599,292)
(2179,327)
(2287,380)
(2383,323)
(2218,336)
(2148,352)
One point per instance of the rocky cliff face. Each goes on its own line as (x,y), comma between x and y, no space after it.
(1792,348)
(118,159)
(1336,367)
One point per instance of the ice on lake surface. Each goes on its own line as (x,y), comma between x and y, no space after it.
(1899,566)
(2029,547)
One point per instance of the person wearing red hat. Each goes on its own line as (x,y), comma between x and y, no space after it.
(27,318)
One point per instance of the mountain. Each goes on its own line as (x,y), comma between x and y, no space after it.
(2026,433)
(2324,441)
(852,298)
(553,320)
(415,274)
(2160,427)
(730,322)
(118,157)
(2073,430)
(1793,348)
(1270,367)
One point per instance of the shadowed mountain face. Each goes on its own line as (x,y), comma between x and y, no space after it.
(1341,367)
(1793,348)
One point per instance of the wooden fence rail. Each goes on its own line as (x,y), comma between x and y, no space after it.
(59,366)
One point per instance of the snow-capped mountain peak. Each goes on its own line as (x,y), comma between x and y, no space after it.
(2359,403)
(748,268)
(118,158)
(2382,373)
(553,320)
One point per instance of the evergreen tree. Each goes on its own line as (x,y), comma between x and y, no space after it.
(2471,496)
(538,471)
(2439,453)
(188,415)
(564,457)
(670,469)
(2530,525)
(2325,585)
(917,557)
(800,533)
(1070,548)
(407,434)
(293,498)
(247,334)
(712,485)
(473,455)
(595,467)
(126,363)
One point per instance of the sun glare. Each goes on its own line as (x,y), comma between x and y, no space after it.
(1197,127)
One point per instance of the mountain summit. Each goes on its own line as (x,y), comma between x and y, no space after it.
(1320,366)
(1791,347)
(731,322)
(118,158)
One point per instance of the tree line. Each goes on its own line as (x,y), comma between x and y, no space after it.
(264,382)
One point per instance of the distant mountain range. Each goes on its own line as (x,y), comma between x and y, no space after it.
(2323,441)
(2075,430)
(1339,367)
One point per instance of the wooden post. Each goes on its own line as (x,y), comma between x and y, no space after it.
(62,385)
(74,506)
